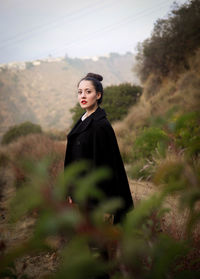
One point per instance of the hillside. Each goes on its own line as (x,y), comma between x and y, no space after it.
(163,128)
(43,91)
(181,95)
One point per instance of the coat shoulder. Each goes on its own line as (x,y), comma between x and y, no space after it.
(102,124)
(104,129)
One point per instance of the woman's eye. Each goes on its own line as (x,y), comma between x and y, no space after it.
(88,91)
(79,92)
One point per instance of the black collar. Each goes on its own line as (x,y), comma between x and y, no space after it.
(81,126)
(98,114)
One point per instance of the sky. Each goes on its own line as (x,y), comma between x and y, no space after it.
(31,30)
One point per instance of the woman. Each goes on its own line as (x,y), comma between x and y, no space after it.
(92,138)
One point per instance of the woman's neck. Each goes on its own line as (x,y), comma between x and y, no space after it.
(88,112)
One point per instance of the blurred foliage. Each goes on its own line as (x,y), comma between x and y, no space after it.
(136,248)
(17,131)
(180,31)
(117,99)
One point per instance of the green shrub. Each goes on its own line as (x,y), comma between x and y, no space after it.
(146,143)
(187,132)
(118,99)
(20,130)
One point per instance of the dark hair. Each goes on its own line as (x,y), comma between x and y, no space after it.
(96,81)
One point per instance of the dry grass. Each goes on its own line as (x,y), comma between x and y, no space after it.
(34,147)
(126,130)
(174,222)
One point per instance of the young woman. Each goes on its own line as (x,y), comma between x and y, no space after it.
(92,138)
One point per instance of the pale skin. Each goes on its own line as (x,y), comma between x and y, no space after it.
(87,96)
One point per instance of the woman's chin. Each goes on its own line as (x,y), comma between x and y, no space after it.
(83,106)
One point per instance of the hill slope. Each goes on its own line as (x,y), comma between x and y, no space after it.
(43,91)
(159,97)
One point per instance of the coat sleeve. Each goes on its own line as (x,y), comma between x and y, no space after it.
(106,153)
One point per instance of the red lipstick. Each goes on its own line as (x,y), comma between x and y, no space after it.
(83,102)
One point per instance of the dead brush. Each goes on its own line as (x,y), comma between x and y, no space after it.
(179,179)
(125,139)
(138,115)
(36,147)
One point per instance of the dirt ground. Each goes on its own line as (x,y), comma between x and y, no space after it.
(175,220)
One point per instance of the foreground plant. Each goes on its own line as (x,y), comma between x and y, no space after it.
(92,247)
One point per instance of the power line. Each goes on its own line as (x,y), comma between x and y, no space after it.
(108,28)
(45,27)
(38,27)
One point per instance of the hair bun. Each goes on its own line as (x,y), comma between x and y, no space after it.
(98,77)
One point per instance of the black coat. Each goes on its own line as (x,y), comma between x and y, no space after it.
(94,139)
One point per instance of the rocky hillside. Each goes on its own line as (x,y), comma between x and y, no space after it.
(43,91)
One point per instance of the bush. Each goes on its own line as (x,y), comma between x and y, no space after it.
(147,141)
(119,98)
(20,130)
(187,132)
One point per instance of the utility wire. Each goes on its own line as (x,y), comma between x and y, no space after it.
(111,27)
(48,26)
(38,27)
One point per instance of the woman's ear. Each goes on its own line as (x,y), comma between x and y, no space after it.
(98,95)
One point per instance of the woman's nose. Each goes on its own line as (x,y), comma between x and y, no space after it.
(83,94)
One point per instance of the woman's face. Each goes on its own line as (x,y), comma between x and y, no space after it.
(87,95)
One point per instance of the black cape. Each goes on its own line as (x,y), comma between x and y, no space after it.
(94,139)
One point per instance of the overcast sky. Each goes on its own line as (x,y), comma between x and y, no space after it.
(31,30)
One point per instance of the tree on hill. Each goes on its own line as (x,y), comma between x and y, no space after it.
(116,101)
(172,41)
